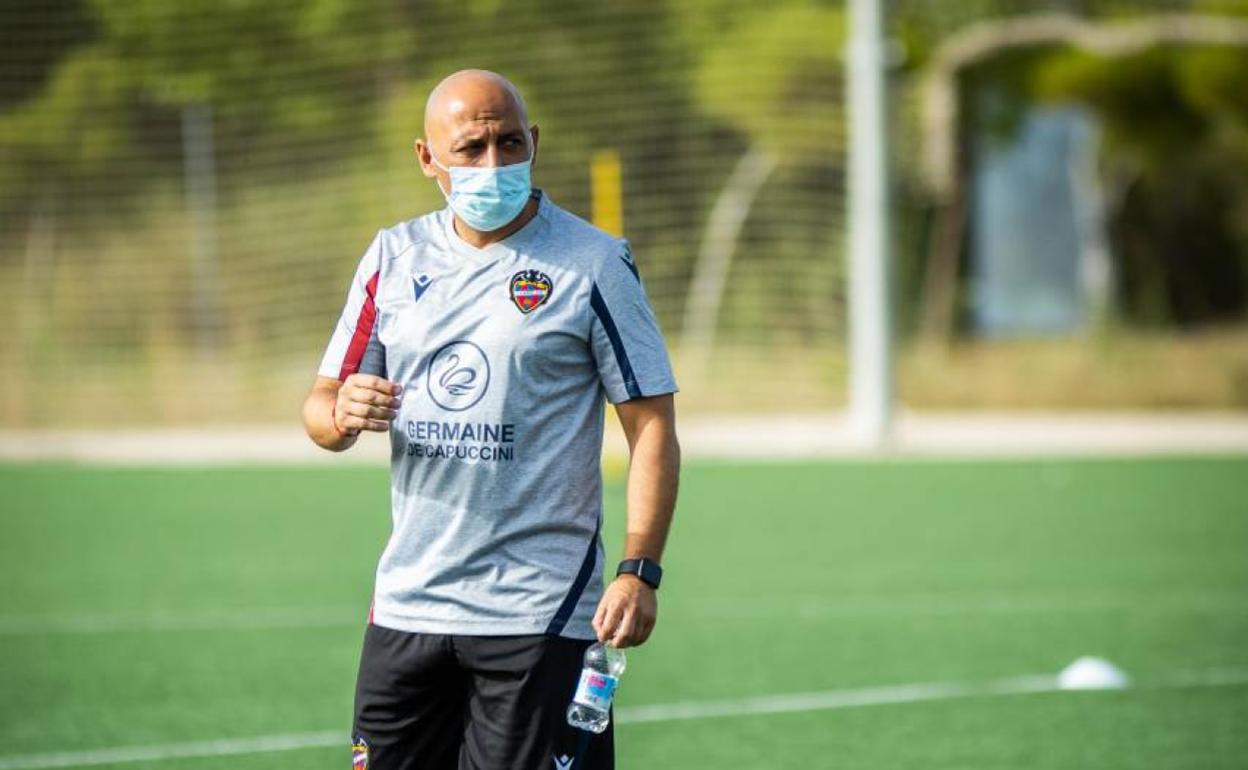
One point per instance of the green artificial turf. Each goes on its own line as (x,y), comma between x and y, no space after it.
(159,606)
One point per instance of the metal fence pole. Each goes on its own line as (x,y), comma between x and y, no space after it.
(200,173)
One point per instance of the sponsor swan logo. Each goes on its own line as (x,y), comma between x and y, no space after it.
(458,375)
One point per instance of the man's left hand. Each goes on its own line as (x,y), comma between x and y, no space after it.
(627,612)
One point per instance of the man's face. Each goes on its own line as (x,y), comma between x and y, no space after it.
(476,124)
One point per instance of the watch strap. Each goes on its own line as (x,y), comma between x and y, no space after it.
(647,570)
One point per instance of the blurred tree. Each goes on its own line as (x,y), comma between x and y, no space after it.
(1175,157)
(34,36)
(691,93)
(294,74)
(294,77)
(789,100)
(1145,103)
(1172,156)
(60,137)
(788,107)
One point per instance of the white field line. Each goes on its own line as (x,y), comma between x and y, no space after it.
(797,607)
(833,699)
(166,751)
(669,712)
(792,607)
(208,620)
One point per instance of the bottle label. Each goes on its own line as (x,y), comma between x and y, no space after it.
(595,689)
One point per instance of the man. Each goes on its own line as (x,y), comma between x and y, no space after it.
(483,338)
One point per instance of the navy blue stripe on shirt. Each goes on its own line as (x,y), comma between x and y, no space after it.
(564,614)
(617,344)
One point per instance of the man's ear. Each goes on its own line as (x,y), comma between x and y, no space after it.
(424,158)
(533,132)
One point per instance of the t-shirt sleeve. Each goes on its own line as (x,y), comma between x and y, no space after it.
(628,345)
(354,345)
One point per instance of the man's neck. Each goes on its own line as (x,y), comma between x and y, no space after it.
(479,239)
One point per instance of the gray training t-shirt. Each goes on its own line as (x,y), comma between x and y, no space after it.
(505,354)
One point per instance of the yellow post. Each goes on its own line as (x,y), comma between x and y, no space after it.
(606,192)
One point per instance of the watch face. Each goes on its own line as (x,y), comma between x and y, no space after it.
(649,572)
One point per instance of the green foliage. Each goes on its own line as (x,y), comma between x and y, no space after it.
(1144,102)
(292,74)
(60,138)
(789,99)
(34,36)
(1175,154)
(315,104)
(174,51)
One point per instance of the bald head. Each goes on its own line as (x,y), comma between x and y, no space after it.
(471,92)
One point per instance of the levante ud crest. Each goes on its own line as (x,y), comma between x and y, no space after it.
(359,754)
(530,289)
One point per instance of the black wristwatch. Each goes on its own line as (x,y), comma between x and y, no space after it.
(647,569)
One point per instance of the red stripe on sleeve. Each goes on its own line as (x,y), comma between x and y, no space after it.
(363,331)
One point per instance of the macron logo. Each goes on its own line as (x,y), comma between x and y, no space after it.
(563,763)
(419,284)
(627,257)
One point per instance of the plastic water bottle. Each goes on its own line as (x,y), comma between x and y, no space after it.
(591,706)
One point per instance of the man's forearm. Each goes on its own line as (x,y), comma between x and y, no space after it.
(653,477)
(318,421)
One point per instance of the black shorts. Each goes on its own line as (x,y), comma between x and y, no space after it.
(439,702)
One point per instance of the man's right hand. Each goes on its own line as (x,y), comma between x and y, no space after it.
(366,402)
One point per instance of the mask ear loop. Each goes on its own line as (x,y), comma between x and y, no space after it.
(434,159)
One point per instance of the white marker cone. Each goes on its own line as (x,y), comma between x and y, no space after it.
(1088,673)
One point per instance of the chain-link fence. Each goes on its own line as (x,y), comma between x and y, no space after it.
(186,187)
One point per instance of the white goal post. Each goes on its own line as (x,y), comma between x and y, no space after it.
(870,369)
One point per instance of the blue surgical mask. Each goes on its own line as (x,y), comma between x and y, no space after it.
(488,197)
